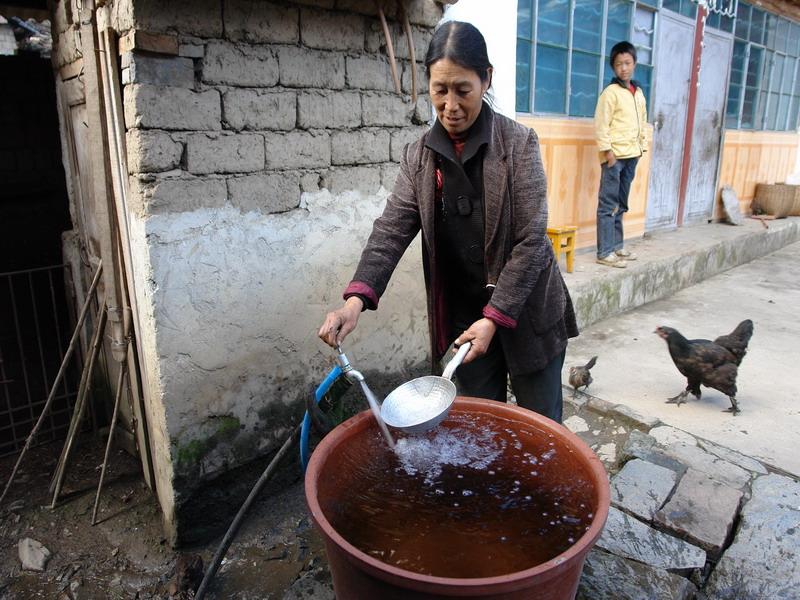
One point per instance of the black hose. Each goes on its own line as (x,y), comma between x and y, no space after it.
(237,521)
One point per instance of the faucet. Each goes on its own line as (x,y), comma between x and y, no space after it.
(348,370)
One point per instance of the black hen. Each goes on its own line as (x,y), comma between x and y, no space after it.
(580,376)
(736,341)
(713,364)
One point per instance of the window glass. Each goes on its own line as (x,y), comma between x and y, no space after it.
(523,76)
(608,73)
(735,87)
(794,113)
(737,63)
(688,9)
(783,112)
(757,26)
(742,20)
(772,111)
(583,85)
(643,28)
(797,81)
(788,75)
(673,5)
(653,3)
(587,23)
(551,79)
(749,108)
(553,21)
(713,20)
(770,31)
(751,87)
(644,75)
(619,22)
(732,106)
(525,19)
(759,116)
(777,72)
(794,40)
(726,23)
(781,35)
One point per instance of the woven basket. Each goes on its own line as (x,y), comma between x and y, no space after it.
(776,199)
(795,210)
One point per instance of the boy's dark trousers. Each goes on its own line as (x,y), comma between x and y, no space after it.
(615,185)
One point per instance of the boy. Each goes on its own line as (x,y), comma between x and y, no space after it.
(619,121)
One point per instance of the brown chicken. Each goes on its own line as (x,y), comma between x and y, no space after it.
(712,364)
(580,376)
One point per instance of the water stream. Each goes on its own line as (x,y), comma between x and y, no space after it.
(376,411)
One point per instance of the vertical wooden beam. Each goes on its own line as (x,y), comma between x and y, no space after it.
(697,51)
(100,177)
(109,72)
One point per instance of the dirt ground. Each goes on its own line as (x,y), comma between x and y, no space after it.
(276,553)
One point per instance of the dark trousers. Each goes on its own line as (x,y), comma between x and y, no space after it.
(486,376)
(615,185)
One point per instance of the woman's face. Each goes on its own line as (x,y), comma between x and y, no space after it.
(457,94)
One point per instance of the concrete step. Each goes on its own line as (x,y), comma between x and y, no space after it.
(669,261)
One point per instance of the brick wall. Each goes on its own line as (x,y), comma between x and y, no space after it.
(262,101)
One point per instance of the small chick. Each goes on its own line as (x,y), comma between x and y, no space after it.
(580,376)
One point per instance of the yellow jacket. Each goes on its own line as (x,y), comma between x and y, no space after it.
(619,121)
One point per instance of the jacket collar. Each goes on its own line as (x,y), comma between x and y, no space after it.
(479,134)
(618,81)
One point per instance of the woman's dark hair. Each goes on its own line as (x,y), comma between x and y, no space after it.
(463,44)
(622,48)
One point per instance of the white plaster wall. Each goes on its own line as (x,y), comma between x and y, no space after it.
(150,367)
(497,21)
(238,300)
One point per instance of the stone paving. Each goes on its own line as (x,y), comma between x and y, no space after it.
(689,519)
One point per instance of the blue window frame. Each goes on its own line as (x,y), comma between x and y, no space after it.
(563,48)
(764,92)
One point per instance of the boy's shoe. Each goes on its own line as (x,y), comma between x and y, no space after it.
(612,260)
(626,254)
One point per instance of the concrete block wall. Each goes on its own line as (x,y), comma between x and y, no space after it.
(259,154)
(314,70)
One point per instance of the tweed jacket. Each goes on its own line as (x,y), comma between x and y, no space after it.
(530,302)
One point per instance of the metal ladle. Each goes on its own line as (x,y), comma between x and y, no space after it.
(417,405)
(422,403)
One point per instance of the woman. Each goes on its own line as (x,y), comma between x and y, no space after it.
(475,186)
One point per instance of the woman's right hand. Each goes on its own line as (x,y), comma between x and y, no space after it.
(610,158)
(339,323)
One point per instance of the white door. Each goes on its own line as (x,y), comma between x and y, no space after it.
(673,63)
(709,120)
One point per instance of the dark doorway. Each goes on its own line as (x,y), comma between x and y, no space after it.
(34,209)
(35,323)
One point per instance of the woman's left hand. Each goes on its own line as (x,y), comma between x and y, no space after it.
(480,333)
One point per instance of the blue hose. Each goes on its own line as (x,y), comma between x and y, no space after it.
(306,427)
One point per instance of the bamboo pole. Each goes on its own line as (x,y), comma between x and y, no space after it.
(120,384)
(80,405)
(61,371)
(389,47)
(411,53)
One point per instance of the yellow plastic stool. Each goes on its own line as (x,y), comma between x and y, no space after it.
(563,240)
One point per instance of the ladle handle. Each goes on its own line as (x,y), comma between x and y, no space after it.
(457,360)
